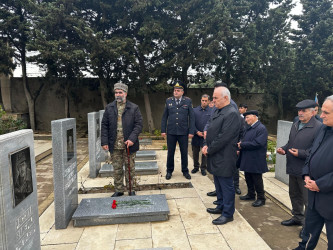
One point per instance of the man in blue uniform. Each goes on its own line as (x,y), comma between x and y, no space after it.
(318,178)
(202,114)
(178,124)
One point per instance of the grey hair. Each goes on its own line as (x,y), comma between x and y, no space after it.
(330,98)
(226,92)
(205,96)
(312,109)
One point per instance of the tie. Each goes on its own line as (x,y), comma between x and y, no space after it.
(177,102)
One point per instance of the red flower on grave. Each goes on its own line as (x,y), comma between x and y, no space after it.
(114,204)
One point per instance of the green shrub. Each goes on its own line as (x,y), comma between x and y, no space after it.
(9,124)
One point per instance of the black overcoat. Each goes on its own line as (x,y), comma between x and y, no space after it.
(222,137)
(131,121)
(253,149)
(302,140)
(319,166)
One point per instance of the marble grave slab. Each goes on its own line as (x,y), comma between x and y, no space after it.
(19,220)
(144,155)
(130,209)
(141,168)
(64,170)
(94,144)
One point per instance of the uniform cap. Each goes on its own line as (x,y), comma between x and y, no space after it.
(251,112)
(121,86)
(306,104)
(178,85)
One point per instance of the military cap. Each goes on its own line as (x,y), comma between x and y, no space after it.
(121,86)
(251,112)
(306,104)
(178,85)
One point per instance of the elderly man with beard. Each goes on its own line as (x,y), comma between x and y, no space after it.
(318,177)
(220,147)
(121,126)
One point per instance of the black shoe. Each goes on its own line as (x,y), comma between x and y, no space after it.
(214,211)
(301,233)
(238,191)
(222,220)
(246,198)
(258,203)
(117,194)
(203,172)
(291,222)
(215,202)
(213,193)
(131,193)
(187,176)
(168,176)
(194,170)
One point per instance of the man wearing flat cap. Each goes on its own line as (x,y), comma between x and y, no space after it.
(178,125)
(301,137)
(253,148)
(121,126)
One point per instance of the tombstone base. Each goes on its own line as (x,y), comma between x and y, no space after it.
(144,155)
(130,209)
(141,168)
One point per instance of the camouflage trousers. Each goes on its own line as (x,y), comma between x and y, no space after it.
(119,159)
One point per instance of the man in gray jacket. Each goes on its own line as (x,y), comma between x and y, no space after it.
(221,150)
(301,136)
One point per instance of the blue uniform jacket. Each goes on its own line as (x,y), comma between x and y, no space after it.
(201,118)
(319,166)
(253,149)
(178,119)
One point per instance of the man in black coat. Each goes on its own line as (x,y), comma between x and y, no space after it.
(318,178)
(220,147)
(301,137)
(253,149)
(178,124)
(121,126)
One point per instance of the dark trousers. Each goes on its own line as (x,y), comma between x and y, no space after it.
(314,223)
(255,185)
(225,192)
(196,153)
(183,145)
(298,196)
(236,178)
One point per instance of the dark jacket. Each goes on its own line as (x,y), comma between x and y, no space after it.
(178,119)
(131,121)
(201,118)
(319,167)
(222,138)
(301,140)
(253,149)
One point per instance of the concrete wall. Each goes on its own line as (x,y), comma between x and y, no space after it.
(87,98)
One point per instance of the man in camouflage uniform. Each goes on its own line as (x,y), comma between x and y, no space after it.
(121,126)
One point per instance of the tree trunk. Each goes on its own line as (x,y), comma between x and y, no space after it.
(30,100)
(67,114)
(150,121)
(102,84)
(280,103)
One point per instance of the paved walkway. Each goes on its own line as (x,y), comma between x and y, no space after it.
(189,225)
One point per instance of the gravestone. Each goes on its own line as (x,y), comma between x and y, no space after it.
(64,170)
(94,143)
(144,155)
(141,168)
(104,153)
(130,209)
(19,221)
(283,132)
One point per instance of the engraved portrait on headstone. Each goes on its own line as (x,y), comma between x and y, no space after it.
(21,174)
(98,133)
(70,144)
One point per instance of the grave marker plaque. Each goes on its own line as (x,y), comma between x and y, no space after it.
(94,142)
(19,221)
(283,132)
(64,170)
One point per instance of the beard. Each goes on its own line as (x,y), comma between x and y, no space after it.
(120,99)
